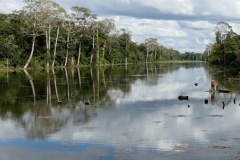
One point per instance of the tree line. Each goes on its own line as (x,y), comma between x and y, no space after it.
(43,34)
(226,49)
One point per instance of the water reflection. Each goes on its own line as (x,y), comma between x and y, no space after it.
(133,107)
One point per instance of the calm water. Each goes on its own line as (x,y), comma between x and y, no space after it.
(134,113)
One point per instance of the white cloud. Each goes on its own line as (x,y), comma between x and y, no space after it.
(199,25)
(170,6)
(7,6)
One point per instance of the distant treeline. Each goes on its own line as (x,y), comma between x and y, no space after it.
(43,34)
(226,49)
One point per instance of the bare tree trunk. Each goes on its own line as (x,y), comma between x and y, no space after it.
(97,47)
(31,54)
(93,47)
(79,53)
(48,51)
(155,54)
(79,78)
(66,60)
(48,44)
(98,83)
(91,59)
(147,56)
(55,47)
(104,50)
(126,58)
(72,61)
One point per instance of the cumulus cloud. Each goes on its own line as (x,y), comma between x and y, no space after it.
(7,6)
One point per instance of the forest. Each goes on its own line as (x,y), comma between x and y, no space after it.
(226,49)
(43,34)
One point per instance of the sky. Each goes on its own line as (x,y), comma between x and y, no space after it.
(184,25)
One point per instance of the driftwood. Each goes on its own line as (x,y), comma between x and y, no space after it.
(206,101)
(223,91)
(183,97)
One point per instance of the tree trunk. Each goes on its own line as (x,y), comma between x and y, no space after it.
(155,54)
(92,47)
(104,50)
(47,46)
(126,60)
(79,53)
(79,78)
(72,61)
(147,56)
(66,60)
(31,54)
(97,47)
(91,59)
(55,48)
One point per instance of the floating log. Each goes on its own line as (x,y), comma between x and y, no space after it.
(206,101)
(183,97)
(87,103)
(223,91)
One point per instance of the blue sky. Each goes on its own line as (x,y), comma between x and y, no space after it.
(184,25)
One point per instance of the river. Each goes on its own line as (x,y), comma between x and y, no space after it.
(120,112)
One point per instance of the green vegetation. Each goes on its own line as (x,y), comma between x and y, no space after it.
(43,34)
(226,49)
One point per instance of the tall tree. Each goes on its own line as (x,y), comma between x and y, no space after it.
(53,13)
(37,14)
(151,46)
(222,31)
(108,27)
(224,35)
(125,39)
(83,18)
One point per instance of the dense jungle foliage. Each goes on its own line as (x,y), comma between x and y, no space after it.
(226,49)
(42,34)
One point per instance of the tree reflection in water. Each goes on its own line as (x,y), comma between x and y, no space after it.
(48,112)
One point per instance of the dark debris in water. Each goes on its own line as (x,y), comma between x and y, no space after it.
(180,116)
(215,115)
(223,139)
(218,147)
(157,121)
(125,150)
